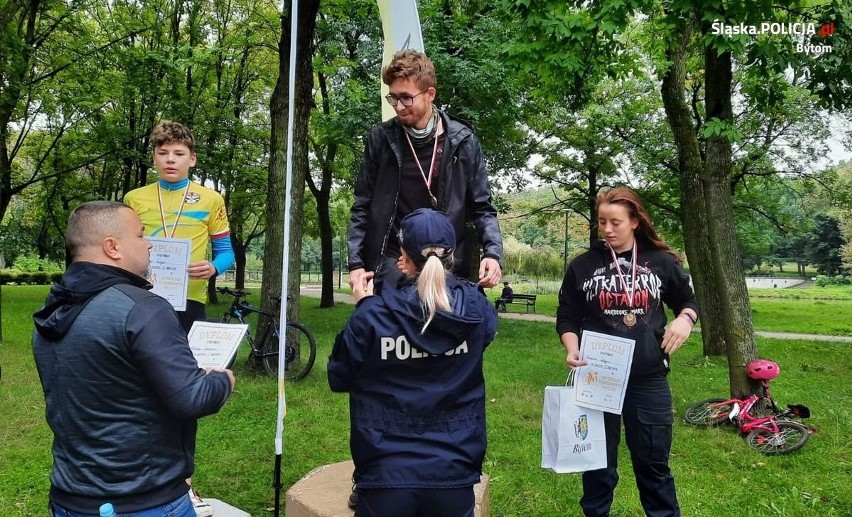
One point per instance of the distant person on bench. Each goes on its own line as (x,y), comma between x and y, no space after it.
(505,297)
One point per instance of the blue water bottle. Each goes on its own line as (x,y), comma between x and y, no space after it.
(107,510)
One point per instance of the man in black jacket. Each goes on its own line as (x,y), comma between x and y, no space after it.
(422,158)
(122,389)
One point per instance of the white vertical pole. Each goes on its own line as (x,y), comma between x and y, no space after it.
(282,335)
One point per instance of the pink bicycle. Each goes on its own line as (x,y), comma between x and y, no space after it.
(774,433)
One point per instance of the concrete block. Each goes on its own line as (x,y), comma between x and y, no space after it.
(324,491)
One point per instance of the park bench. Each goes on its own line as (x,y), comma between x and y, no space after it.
(527,300)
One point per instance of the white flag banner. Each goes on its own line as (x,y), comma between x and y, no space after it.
(401,28)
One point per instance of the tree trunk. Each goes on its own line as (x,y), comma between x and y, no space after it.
(1,307)
(274,249)
(724,251)
(13,79)
(322,194)
(326,249)
(592,202)
(5,164)
(239,262)
(212,295)
(697,242)
(693,215)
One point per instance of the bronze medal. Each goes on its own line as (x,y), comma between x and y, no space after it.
(630,319)
(433,200)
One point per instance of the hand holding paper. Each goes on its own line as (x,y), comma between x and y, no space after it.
(603,382)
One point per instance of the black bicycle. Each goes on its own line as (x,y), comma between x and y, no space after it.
(265,350)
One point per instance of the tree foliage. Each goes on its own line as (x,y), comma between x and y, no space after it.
(718,133)
(824,245)
(581,42)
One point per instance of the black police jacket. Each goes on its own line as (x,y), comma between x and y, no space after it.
(416,401)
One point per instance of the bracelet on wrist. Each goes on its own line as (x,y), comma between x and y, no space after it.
(689,317)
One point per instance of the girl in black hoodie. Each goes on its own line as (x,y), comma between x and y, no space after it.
(618,287)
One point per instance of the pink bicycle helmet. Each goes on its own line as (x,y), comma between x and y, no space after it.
(763,369)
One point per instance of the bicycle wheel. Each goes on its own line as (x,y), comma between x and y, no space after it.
(252,363)
(226,318)
(709,413)
(791,436)
(299,358)
(254,359)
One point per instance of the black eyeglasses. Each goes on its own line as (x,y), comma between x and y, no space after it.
(406,100)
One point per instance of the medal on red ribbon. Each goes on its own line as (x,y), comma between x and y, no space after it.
(629,290)
(427,180)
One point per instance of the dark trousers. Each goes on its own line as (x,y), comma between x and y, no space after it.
(195,311)
(648,420)
(415,502)
(389,272)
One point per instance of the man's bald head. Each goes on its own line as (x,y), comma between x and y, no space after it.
(90,223)
(108,232)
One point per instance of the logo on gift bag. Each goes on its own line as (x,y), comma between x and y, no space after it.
(581,427)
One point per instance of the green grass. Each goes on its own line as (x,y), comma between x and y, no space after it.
(832,292)
(716,473)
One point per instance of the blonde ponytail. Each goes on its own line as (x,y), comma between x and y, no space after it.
(432,285)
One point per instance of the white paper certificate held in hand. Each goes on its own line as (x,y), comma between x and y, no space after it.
(603,382)
(215,345)
(169,260)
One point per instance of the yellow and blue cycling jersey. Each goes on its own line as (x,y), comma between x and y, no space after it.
(186,210)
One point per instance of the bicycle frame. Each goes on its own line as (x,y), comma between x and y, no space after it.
(241,309)
(772,433)
(266,349)
(741,412)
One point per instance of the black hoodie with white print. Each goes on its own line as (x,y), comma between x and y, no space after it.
(593,297)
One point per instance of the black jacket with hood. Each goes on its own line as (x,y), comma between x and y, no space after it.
(122,391)
(592,298)
(416,401)
(464,194)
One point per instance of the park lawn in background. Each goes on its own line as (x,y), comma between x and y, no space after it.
(831,292)
(809,316)
(806,311)
(717,474)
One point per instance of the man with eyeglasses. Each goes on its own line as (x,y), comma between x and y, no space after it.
(422,158)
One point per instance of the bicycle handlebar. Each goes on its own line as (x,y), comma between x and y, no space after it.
(236,293)
(242,293)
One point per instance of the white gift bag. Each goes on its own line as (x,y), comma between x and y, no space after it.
(572,437)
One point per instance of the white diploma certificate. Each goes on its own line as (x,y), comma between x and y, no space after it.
(215,345)
(169,260)
(603,382)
